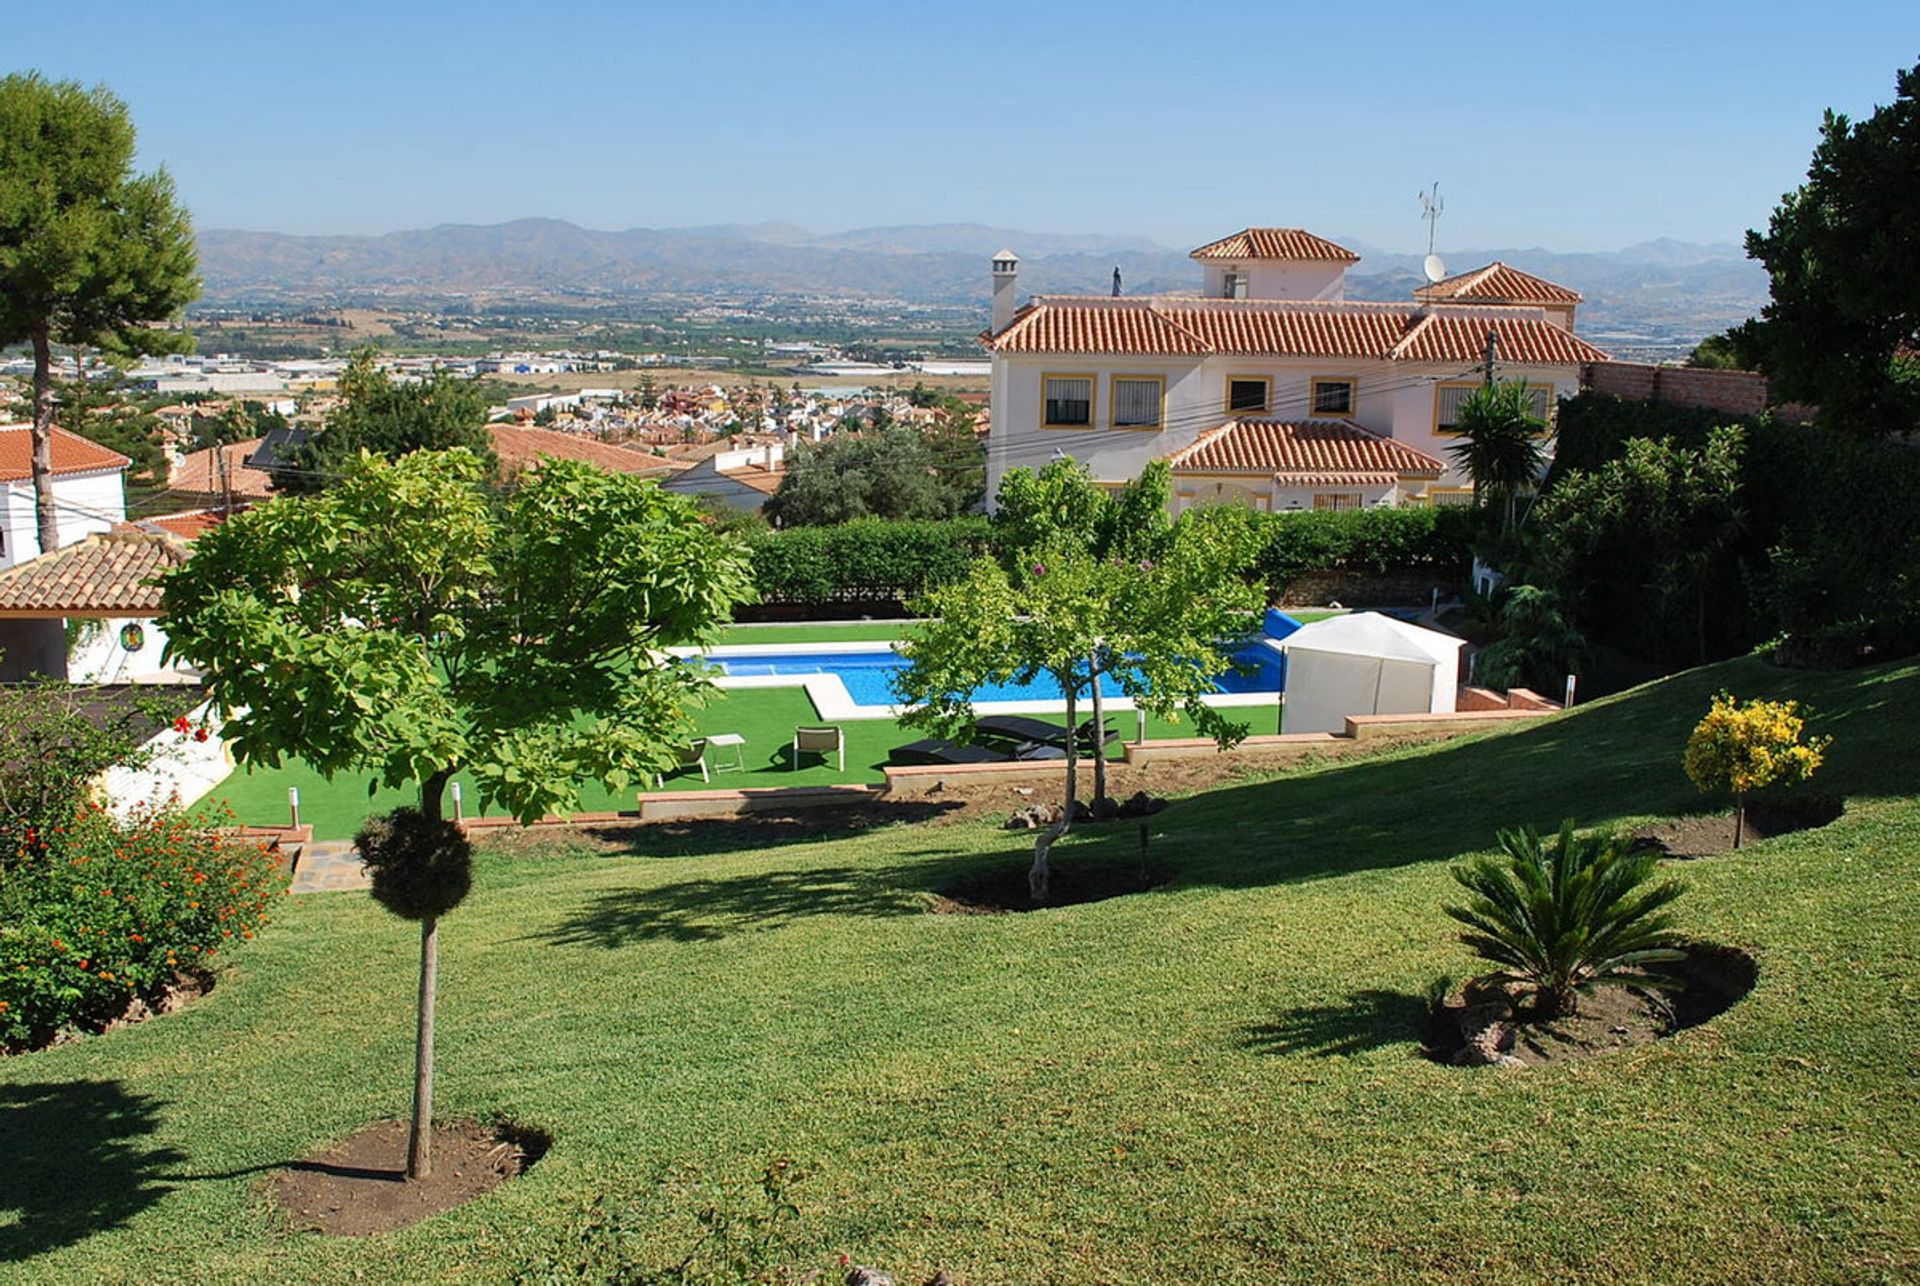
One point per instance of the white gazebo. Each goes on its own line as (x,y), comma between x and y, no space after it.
(1366,663)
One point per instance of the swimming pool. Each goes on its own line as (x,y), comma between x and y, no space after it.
(855,680)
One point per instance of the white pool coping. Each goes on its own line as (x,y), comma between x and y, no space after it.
(832,701)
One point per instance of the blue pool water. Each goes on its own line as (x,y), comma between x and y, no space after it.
(869,675)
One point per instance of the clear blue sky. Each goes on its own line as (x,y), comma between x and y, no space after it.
(1585,127)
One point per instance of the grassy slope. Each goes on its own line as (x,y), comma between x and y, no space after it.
(766,717)
(1212,1083)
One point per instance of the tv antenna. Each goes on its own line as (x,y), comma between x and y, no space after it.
(1432,206)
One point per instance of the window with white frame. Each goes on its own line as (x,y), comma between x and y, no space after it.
(1068,401)
(1333,397)
(1137,400)
(1451,397)
(1336,500)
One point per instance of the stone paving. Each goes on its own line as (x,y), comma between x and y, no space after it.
(328,866)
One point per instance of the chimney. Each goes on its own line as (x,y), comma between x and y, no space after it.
(1006,274)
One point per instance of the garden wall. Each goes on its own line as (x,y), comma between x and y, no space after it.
(1741,393)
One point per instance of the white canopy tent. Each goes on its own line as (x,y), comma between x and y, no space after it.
(1366,663)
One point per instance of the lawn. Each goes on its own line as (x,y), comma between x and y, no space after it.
(766,717)
(1215,1082)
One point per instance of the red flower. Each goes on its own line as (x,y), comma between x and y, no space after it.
(182,724)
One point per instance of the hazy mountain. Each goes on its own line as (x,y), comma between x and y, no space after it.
(1665,286)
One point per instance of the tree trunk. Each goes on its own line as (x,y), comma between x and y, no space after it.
(46,517)
(420,1132)
(1739,819)
(1038,876)
(420,1136)
(1099,732)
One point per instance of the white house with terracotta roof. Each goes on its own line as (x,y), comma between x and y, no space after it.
(1270,388)
(88,491)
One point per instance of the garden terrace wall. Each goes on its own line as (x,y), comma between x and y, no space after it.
(1740,393)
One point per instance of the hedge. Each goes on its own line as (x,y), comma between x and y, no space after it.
(873,559)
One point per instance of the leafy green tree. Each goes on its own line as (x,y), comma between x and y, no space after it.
(410,623)
(1840,328)
(1562,915)
(890,473)
(107,411)
(1502,445)
(1537,644)
(90,253)
(1157,627)
(1730,350)
(388,418)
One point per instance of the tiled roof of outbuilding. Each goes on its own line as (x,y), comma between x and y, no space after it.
(1332,452)
(71,453)
(107,574)
(1498,283)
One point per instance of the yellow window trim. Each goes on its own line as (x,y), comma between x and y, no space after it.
(1266,403)
(1093,393)
(1113,403)
(1353,396)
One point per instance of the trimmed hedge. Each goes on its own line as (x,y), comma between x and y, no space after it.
(864,561)
(875,560)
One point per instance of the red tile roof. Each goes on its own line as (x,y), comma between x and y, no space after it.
(1276,243)
(197,474)
(1498,283)
(107,574)
(187,526)
(1320,452)
(1103,326)
(71,453)
(522,448)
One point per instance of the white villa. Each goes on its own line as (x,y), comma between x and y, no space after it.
(1270,388)
(88,491)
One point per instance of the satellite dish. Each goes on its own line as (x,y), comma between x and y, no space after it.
(1435,268)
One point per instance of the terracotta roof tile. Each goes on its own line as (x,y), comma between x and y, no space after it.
(71,453)
(187,526)
(521,448)
(107,574)
(1276,243)
(1498,283)
(1102,326)
(197,474)
(1302,450)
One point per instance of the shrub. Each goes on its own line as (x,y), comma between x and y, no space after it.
(1741,747)
(867,560)
(111,912)
(1561,915)
(1365,540)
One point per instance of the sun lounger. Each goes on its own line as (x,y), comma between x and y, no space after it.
(1014,727)
(934,750)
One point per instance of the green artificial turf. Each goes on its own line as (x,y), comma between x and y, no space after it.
(1214,1082)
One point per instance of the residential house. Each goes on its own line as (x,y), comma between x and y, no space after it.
(745,477)
(1270,388)
(85,612)
(88,490)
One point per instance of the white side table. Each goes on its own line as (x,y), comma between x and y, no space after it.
(735,740)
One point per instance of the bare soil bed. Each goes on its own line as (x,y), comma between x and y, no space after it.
(1482,1026)
(359,1186)
(1710,834)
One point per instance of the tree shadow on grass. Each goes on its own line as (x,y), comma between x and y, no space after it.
(1365,1020)
(703,910)
(775,828)
(73,1162)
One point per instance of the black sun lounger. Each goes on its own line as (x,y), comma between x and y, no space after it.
(936,751)
(1015,727)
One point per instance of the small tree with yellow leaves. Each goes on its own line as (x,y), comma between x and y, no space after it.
(1744,746)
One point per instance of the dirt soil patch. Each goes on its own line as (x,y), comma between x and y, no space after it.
(1706,836)
(1711,980)
(359,1186)
(1003,890)
(185,987)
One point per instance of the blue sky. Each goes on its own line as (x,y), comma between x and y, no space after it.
(1546,124)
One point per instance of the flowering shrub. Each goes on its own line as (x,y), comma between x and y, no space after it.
(110,912)
(1742,747)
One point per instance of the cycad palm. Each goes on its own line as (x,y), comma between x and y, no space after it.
(1560,915)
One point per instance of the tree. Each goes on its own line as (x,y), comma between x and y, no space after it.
(1560,916)
(1501,444)
(105,410)
(890,473)
(411,624)
(90,252)
(1844,315)
(388,418)
(1740,747)
(1157,628)
(1730,350)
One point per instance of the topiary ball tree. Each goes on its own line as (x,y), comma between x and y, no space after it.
(422,868)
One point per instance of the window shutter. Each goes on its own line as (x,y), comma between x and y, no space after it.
(1136,403)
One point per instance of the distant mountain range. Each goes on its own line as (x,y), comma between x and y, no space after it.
(1656,283)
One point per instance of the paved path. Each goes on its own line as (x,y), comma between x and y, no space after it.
(327,866)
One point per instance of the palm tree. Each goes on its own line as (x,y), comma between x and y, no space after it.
(1561,915)
(1500,444)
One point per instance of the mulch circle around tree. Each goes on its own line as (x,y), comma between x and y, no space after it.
(358,1186)
(1004,890)
(1481,1026)
(1712,834)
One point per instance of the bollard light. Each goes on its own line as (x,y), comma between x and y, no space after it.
(458,813)
(293,805)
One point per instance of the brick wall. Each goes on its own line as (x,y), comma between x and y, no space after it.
(1735,392)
